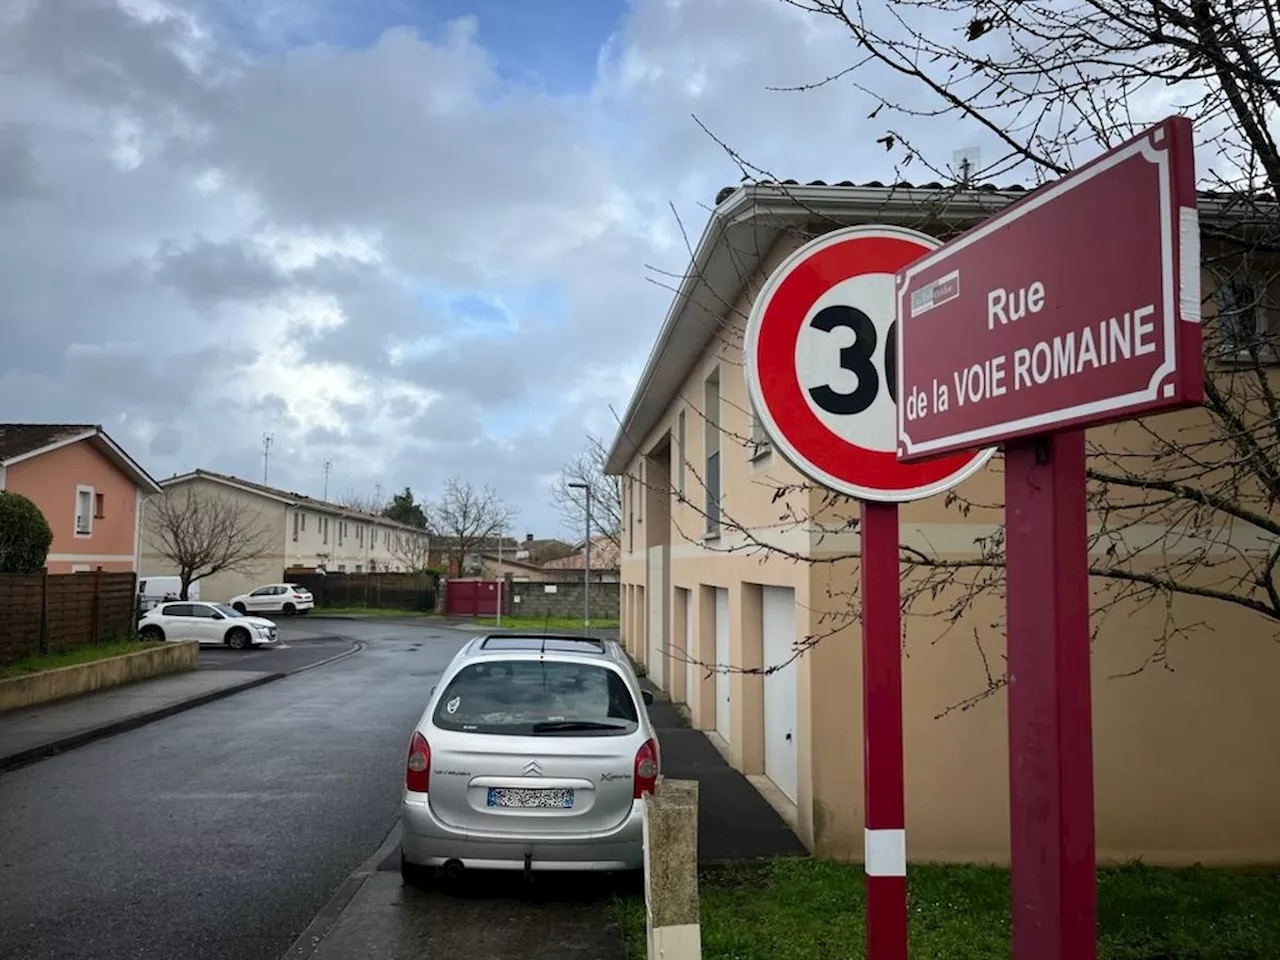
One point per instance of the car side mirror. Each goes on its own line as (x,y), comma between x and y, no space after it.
(647,697)
(218,616)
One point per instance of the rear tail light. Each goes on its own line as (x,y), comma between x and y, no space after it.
(417,773)
(646,774)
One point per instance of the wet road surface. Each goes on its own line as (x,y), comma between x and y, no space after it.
(219,832)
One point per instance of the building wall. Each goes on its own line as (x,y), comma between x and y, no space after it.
(51,480)
(321,539)
(493,570)
(1177,779)
(345,545)
(268,514)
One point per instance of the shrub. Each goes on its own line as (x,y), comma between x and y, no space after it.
(24,535)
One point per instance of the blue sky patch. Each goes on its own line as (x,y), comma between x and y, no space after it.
(552,45)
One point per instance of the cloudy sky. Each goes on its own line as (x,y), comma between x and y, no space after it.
(413,238)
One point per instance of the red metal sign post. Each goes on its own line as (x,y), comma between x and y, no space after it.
(820,371)
(885,859)
(1077,306)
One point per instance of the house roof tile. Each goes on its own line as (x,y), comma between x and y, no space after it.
(17,439)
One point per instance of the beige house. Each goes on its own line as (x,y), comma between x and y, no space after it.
(732,563)
(306,532)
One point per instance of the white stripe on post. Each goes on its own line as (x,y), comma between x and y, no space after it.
(886,853)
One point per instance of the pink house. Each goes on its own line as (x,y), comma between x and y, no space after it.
(86,486)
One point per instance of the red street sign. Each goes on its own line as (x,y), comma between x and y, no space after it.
(1078,305)
(820,370)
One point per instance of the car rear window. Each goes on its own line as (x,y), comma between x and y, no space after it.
(537,698)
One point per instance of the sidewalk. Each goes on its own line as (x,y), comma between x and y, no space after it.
(34,732)
(734,821)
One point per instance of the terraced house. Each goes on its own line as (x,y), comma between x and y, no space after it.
(304,532)
(740,579)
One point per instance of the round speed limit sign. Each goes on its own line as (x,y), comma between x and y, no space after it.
(820,364)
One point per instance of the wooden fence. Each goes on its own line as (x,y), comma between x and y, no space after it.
(45,613)
(389,591)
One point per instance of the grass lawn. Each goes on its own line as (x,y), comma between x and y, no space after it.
(72,657)
(369,612)
(813,910)
(538,623)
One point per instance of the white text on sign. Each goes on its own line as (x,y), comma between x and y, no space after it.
(1113,340)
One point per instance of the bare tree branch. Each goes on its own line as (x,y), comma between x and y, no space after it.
(467,518)
(203,534)
(587,470)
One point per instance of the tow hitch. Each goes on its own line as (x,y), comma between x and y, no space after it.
(528,867)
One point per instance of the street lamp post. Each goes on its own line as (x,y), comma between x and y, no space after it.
(586,564)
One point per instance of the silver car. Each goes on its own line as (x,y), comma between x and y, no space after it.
(533,754)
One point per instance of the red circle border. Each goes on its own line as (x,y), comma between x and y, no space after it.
(779,329)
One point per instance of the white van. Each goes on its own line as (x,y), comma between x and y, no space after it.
(154,590)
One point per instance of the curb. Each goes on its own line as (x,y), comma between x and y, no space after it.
(45,750)
(315,932)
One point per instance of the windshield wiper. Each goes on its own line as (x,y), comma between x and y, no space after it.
(549,726)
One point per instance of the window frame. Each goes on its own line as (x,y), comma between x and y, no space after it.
(681,449)
(712,460)
(84,494)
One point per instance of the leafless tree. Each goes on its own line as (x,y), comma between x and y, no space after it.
(412,549)
(363,502)
(1189,508)
(467,519)
(203,534)
(606,493)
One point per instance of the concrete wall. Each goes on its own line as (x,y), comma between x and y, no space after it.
(533,600)
(1183,773)
(176,657)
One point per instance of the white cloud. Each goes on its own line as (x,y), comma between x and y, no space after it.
(206,242)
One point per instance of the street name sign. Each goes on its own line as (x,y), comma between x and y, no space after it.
(819,355)
(1076,306)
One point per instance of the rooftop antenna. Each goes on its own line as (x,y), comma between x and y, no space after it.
(966,163)
(377,495)
(267,440)
(328,466)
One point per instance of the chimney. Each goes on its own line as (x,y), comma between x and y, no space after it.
(528,538)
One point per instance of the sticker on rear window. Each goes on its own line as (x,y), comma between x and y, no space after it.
(453,705)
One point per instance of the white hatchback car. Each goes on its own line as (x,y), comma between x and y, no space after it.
(206,622)
(286,598)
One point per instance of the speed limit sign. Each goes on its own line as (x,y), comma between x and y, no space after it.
(820,366)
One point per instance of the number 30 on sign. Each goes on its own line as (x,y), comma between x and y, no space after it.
(821,366)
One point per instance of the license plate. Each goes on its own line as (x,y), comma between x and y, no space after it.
(521,797)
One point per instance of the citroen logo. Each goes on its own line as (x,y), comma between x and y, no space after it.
(533,769)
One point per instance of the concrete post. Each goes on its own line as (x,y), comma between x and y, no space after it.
(671,871)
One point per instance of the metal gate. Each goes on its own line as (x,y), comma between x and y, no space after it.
(471,598)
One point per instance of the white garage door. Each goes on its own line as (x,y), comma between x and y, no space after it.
(779,629)
(722,660)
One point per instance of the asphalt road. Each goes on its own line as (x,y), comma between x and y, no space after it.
(301,644)
(219,832)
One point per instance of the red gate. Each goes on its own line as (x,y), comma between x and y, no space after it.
(471,598)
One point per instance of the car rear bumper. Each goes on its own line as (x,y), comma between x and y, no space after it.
(428,842)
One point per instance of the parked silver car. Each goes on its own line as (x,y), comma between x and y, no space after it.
(533,754)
